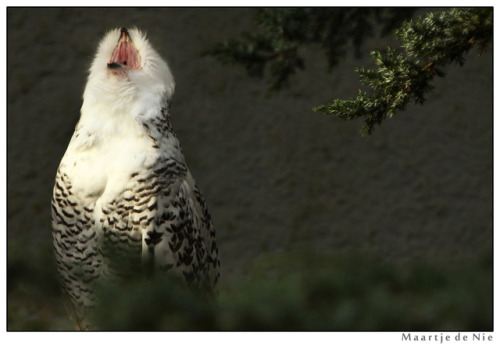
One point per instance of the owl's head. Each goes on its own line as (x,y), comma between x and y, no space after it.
(127,67)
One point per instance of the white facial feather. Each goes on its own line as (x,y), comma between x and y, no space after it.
(133,91)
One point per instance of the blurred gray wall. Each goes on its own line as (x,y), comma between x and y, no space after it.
(276,175)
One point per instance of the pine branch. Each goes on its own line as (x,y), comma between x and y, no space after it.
(282,32)
(431,43)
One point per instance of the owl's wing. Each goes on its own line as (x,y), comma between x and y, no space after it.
(183,239)
(75,246)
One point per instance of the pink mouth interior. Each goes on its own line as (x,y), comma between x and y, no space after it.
(126,54)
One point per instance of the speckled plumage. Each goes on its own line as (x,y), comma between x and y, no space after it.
(124,201)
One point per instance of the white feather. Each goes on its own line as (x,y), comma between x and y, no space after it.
(109,142)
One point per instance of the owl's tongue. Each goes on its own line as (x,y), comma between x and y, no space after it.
(125,54)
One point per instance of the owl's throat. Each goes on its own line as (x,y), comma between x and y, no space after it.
(125,54)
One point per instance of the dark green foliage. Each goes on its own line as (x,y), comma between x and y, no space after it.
(160,303)
(402,76)
(311,291)
(281,291)
(281,32)
(430,43)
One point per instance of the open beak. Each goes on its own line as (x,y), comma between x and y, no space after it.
(125,53)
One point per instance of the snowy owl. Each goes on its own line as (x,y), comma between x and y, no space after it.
(124,200)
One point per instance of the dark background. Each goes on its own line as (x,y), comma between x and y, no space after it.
(277,177)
